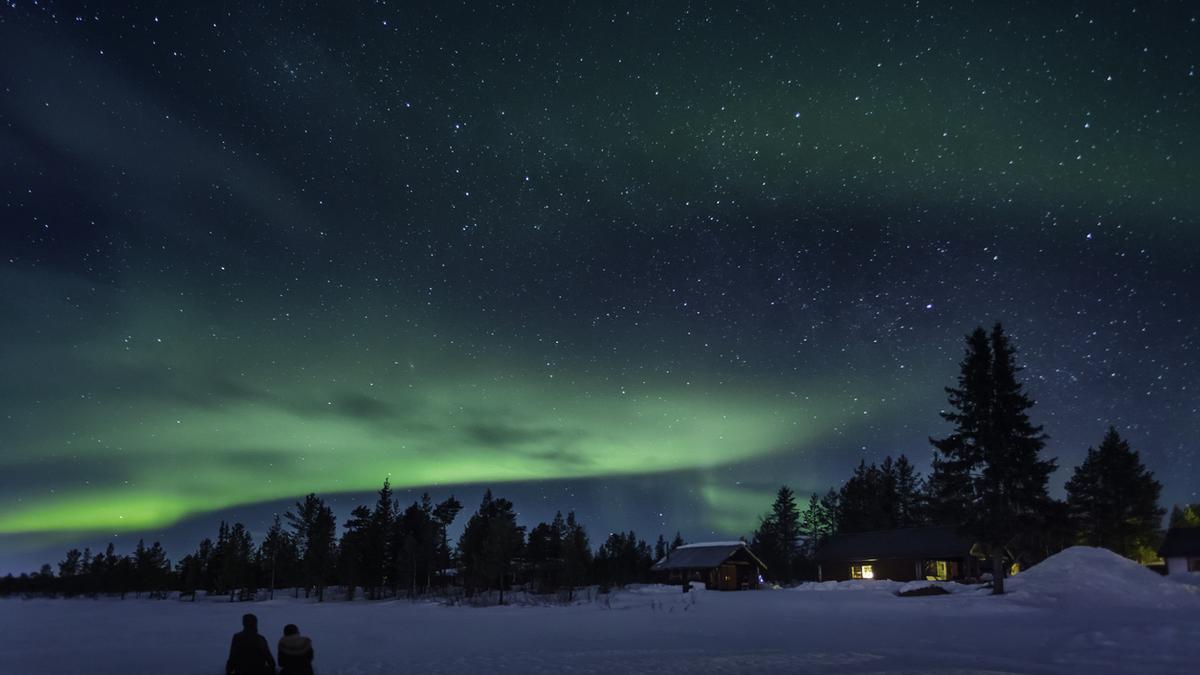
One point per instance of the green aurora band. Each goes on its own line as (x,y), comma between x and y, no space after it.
(171,427)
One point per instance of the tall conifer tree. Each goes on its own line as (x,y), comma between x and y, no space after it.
(957,456)
(988,474)
(779,536)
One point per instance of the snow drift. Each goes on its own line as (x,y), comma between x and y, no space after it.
(1083,575)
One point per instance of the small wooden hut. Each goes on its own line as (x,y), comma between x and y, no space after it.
(721,565)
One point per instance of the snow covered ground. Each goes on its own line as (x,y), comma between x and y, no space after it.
(1084,611)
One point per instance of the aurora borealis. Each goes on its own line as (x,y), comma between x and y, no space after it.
(644,261)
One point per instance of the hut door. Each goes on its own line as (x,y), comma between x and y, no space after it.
(727,577)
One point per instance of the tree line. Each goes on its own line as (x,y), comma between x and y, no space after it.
(384,550)
(989,479)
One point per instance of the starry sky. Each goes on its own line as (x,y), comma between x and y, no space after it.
(646,261)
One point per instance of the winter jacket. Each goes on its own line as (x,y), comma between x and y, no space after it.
(295,655)
(249,654)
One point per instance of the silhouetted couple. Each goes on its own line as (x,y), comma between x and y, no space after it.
(250,655)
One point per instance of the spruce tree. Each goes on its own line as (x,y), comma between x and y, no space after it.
(1113,499)
(988,474)
(378,550)
(867,499)
(489,542)
(660,548)
(313,527)
(1011,490)
(237,571)
(623,559)
(576,552)
(957,457)
(677,541)
(277,558)
(353,552)
(443,515)
(779,536)
(909,509)
(816,525)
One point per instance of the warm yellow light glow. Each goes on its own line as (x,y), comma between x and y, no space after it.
(867,572)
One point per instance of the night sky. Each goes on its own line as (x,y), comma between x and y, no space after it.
(643,261)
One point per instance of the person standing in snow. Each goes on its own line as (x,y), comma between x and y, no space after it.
(248,652)
(295,652)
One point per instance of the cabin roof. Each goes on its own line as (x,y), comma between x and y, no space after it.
(711,544)
(1180,541)
(911,542)
(703,555)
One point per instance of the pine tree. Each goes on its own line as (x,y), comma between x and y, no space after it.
(443,515)
(1012,495)
(677,541)
(866,500)
(417,540)
(816,525)
(379,551)
(623,559)
(277,558)
(141,567)
(1113,499)
(958,456)
(576,552)
(543,550)
(882,497)
(237,570)
(660,548)
(150,568)
(205,568)
(353,553)
(156,572)
(988,474)
(831,508)
(489,542)
(70,570)
(909,509)
(216,560)
(313,528)
(779,536)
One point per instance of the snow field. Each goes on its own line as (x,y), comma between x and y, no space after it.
(1084,612)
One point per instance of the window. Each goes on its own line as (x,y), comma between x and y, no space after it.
(861,572)
(941,570)
(1194,564)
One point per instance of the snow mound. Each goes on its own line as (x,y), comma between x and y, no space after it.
(878,585)
(947,587)
(1083,575)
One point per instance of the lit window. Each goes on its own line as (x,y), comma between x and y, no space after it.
(862,572)
(941,570)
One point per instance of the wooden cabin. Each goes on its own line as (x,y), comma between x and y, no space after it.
(908,554)
(1181,550)
(720,565)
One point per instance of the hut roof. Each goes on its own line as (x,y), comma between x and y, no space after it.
(703,555)
(911,542)
(1180,541)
